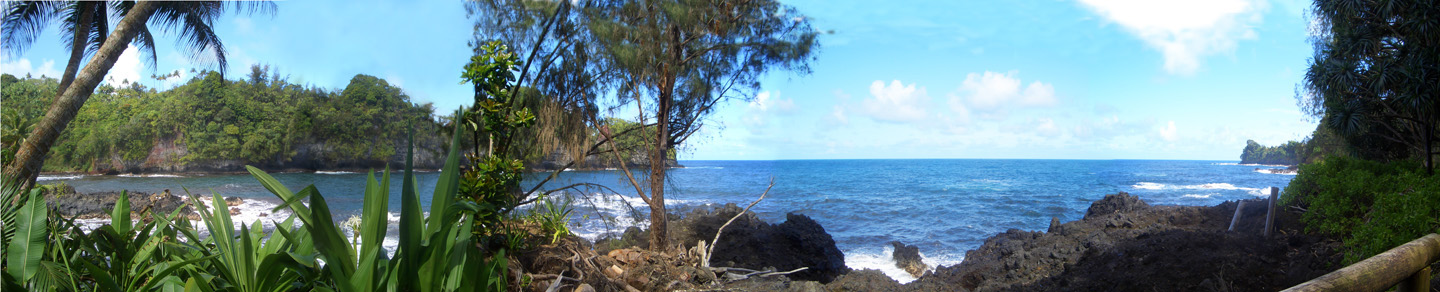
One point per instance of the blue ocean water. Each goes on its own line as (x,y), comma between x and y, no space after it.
(946,207)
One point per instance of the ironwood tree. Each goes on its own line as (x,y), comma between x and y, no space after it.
(678,59)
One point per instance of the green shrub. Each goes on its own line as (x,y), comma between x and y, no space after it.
(1371,206)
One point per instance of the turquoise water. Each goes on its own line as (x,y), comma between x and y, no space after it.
(946,207)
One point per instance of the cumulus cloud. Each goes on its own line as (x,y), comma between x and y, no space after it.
(127,68)
(1186,30)
(21,67)
(1046,127)
(896,102)
(991,91)
(765,105)
(1168,132)
(764,102)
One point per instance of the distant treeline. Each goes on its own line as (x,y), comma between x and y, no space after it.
(262,119)
(1285,154)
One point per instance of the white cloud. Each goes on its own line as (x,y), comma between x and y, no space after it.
(1038,94)
(1047,127)
(896,102)
(21,67)
(1184,30)
(838,116)
(1168,132)
(991,91)
(764,103)
(127,68)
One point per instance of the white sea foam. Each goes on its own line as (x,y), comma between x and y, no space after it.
(1205,196)
(885,262)
(147,175)
(1225,163)
(1265,165)
(1149,186)
(58,177)
(333,172)
(1209,186)
(1280,171)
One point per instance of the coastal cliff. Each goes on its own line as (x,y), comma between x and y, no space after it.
(171,155)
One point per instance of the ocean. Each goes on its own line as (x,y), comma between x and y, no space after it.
(944,206)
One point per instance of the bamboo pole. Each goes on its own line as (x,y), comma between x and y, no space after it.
(1234,220)
(1381,271)
(1270,215)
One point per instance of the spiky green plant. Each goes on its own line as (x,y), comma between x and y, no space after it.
(436,252)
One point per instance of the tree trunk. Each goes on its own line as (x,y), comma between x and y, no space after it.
(32,153)
(77,47)
(659,237)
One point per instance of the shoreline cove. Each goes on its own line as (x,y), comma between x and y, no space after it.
(944,207)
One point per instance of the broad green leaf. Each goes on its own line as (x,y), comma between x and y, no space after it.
(275,187)
(28,244)
(120,215)
(339,255)
(449,182)
(410,253)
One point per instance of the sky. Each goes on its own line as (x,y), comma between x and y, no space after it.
(1087,79)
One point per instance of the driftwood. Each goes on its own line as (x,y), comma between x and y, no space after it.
(705,255)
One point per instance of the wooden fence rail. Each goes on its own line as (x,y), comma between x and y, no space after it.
(1406,265)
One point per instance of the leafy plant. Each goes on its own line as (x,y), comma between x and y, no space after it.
(1371,206)
(436,252)
(553,214)
(121,257)
(492,184)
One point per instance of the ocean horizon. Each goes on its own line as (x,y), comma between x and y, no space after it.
(944,206)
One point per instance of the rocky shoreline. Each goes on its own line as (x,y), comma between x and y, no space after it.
(1124,244)
(1121,244)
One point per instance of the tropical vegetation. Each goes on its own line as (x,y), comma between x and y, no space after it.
(1368,177)
(262,119)
(443,250)
(87,22)
(1284,154)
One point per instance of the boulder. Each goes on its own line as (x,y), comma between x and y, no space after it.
(1115,203)
(907,257)
(752,243)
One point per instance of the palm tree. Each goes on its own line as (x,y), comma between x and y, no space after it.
(87,24)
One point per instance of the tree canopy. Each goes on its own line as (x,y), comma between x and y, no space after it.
(1375,76)
(263,120)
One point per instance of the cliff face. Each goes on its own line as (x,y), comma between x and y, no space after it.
(168,155)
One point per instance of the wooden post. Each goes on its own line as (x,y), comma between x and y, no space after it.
(1381,271)
(1236,219)
(1270,215)
(1418,282)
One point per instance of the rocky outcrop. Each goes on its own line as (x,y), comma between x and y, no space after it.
(907,257)
(66,202)
(752,243)
(1124,244)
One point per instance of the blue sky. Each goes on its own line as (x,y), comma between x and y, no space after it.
(1089,79)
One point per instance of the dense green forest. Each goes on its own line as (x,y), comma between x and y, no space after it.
(1255,153)
(211,123)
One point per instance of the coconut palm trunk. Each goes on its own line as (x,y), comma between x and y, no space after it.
(31,155)
(77,45)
